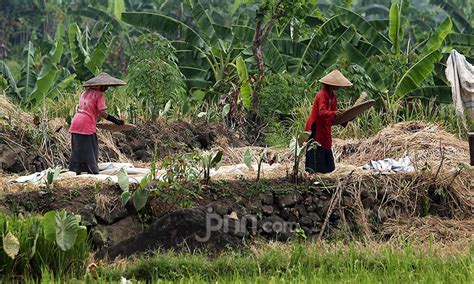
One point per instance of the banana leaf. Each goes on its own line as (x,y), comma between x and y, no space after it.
(7,74)
(79,55)
(438,36)
(440,94)
(245,88)
(394,26)
(100,51)
(98,15)
(44,83)
(413,78)
(28,76)
(358,57)
(163,24)
(458,16)
(331,55)
(460,40)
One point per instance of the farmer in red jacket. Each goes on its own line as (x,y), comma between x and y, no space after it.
(320,159)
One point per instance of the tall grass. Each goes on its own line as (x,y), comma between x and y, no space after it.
(37,254)
(299,263)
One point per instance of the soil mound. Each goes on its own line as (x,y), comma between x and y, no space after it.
(180,230)
(174,136)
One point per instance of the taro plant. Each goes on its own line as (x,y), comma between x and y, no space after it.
(208,161)
(298,146)
(248,157)
(139,197)
(51,176)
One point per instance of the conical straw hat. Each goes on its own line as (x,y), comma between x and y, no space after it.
(104,79)
(335,78)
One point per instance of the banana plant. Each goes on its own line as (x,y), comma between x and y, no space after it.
(88,61)
(33,87)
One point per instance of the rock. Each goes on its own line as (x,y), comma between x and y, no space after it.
(267,198)
(306,221)
(88,218)
(288,215)
(311,208)
(111,213)
(301,210)
(275,228)
(267,210)
(314,216)
(184,229)
(121,230)
(219,208)
(308,200)
(98,238)
(289,199)
(9,158)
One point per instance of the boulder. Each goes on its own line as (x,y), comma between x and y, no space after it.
(184,229)
(267,198)
(276,228)
(111,213)
(267,210)
(289,199)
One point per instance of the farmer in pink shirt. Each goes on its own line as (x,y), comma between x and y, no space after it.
(84,143)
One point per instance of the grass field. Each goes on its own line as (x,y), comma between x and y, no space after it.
(297,263)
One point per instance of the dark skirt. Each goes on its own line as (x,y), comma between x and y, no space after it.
(84,153)
(319,160)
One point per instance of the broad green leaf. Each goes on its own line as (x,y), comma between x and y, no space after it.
(44,84)
(79,55)
(7,74)
(123,181)
(59,87)
(140,198)
(248,159)
(225,110)
(245,89)
(394,26)
(357,57)
(66,230)
(163,24)
(438,36)
(48,222)
(456,13)
(125,197)
(117,7)
(11,245)
(460,40)
(94,13)
(28,75)
(99,54)
(216,158)
(440,94)
(145,181)
(331,55)
(413,78)
(366,29)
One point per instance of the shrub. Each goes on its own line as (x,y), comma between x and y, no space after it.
(154,76)
(280,94)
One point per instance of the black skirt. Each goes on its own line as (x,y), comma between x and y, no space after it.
(84,153)
(319,160)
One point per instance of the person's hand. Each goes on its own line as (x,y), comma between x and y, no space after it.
(338,112)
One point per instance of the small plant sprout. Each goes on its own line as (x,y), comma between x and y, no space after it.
(208,161)
(298,146)
(248,156)
(140,196)
(51,176)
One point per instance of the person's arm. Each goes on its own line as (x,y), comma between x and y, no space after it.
(101,106)
(324,110)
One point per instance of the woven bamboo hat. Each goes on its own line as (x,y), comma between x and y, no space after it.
(104,79)
(335,78)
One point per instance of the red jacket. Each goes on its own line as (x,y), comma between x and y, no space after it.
(323,112)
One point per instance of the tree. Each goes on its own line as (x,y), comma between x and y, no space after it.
(269,14)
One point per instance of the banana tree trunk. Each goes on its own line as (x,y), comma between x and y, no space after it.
(261,33)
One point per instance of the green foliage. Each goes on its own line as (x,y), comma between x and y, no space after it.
(32,245)
(51,176)
(280,94)
(154,76)
(298,147)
